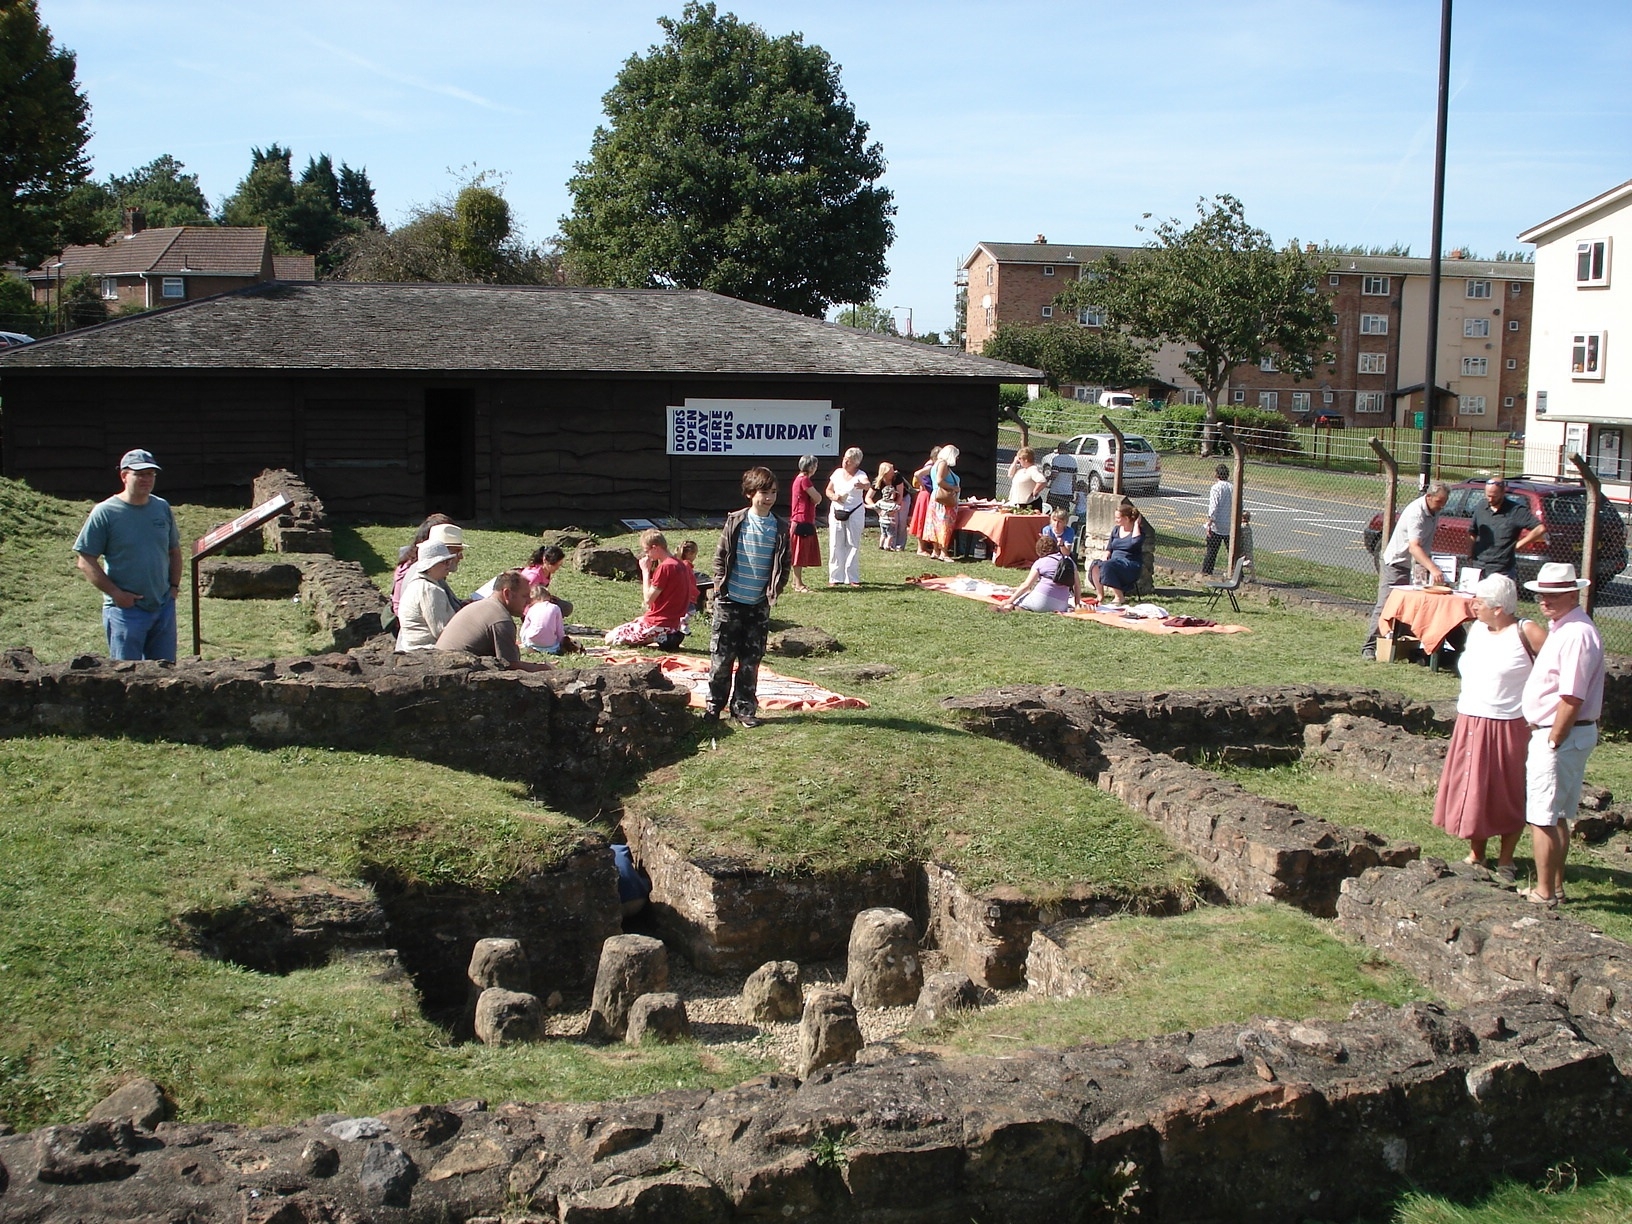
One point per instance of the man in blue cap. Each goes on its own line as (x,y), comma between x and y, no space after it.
(130,550)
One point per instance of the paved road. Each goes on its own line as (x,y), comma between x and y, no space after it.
(1321,529)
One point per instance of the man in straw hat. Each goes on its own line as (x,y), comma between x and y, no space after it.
(1562,701)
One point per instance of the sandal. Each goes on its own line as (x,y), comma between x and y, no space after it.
(1535,898)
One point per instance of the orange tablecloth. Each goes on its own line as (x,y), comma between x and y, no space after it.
(1013,536)
(1431,614)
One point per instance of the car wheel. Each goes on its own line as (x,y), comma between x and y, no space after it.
(1095,484)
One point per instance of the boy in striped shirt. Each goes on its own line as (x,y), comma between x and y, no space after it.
(750,570)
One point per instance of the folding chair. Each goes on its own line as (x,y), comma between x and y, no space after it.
(1228,587)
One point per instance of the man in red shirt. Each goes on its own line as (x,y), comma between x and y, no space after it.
(667,590)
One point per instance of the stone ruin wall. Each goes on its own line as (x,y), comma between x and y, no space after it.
(1338,1118)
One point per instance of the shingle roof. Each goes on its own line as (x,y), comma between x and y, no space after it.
(294,267)
(335,325)
(203,250)
(1048,252)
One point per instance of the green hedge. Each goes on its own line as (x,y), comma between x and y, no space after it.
(1178,428)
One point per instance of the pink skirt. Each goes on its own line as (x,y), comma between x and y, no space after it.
(804,550)
(1481,792)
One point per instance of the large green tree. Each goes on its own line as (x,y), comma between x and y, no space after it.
(1068,352)
(468,238)
(308,216)
(44,124)
(164,191)
(1222,289)
(732,161)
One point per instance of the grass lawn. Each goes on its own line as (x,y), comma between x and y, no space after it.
(107,842)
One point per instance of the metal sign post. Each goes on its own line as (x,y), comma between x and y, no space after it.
(217,539)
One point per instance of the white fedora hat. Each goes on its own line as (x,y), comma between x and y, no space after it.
(1555,577)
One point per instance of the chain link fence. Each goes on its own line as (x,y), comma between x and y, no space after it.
(1315,496)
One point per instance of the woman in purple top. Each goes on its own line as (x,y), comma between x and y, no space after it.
(1053,584)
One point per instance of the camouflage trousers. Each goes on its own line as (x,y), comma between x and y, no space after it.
(737,636)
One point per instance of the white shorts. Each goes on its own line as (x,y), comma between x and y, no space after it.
(1553,776)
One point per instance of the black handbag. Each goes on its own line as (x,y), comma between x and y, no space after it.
(843,516)
(804,529)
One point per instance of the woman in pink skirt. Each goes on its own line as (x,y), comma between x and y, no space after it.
(1481,793)
(805,549)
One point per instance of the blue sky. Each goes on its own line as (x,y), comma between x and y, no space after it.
(999,122)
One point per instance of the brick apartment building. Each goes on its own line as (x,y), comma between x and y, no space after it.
(141,267)
(1379,348)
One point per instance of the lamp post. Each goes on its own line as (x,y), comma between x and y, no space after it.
(57,320)
(1430,389)
(908,309)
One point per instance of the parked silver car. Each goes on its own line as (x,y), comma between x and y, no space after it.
(13,339)
(1097,460)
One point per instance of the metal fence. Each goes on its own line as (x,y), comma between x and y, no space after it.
(1314,498)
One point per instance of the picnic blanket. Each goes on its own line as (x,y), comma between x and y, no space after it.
(776,692)
(993,593)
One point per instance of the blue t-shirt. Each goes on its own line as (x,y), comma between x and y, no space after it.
(751,572)
(1069,539)
(135,544)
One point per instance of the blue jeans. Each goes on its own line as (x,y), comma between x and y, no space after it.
(135,633)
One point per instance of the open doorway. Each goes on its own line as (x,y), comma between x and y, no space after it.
(450,452)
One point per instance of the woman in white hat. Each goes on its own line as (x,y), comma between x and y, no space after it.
(426,606)
(1481,793)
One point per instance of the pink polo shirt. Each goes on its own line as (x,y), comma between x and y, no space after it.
(1570,663)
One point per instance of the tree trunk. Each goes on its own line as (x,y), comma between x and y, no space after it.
(1009,414)
(1209,427)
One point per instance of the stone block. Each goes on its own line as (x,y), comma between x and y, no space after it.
(141,1102)
(508,1017)
(828,1032)
(227,578)
(501,963)
(883,966)
(631,966)
(802,641)
(772,993)
(943,996)
(660,1017)
(605,562)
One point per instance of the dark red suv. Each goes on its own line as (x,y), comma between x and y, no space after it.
(1561,505)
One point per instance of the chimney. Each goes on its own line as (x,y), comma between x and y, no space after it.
(1457,254)
(1310,247)
(1041,239)
(135,221)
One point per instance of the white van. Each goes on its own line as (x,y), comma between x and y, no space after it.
(1115,399)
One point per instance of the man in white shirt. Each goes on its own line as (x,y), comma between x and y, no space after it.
(1219,500)
(1410,544)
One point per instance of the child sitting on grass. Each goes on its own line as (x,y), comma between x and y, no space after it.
(666,590)
(1059,533)
(541,627)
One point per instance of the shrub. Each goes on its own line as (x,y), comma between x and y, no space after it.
(1179,427)
(1013,395)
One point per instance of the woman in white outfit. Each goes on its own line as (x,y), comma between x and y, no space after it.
(427,605)
(846,516)
(1481,793)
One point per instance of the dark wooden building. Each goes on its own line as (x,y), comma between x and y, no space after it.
(502,403)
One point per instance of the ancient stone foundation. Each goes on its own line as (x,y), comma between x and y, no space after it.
(1268,1121)
(1254,849)
(303,527)
(568,734)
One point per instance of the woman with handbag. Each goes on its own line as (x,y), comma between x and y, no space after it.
(846,516)
(942,520)
(806,550)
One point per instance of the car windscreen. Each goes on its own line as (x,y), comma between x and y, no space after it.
(1136,443)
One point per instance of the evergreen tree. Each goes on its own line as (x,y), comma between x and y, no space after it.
(357,196)
(42,135)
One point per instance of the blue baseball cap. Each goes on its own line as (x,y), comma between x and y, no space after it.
(138,461)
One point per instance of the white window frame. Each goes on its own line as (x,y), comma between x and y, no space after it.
(1269,401)
(1475,367)
(988,316)
(110,288)
(1516,288)
(1266,363)
(1507,401)
(1592,263)
(1475,328)
(1048,269)
(1512,325)
(1091,316)
(177,283)
(1326,397)
(1374,363)
(1048,312)
(1470,405)
(1512,363)
(1081,394)
(1373,325)
(991,273)
(1195,395)
(1477,289)
(1334,280)
(1239,396)
(1368,401)
(1300,401)
(1373,286)
(1587,356)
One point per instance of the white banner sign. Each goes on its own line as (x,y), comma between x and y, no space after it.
(754,427)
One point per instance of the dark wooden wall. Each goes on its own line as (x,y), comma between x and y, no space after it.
(547,450)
